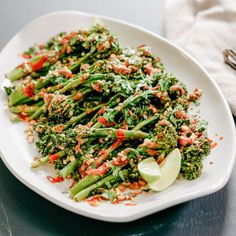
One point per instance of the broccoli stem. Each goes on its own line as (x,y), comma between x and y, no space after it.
(26,108)
(75,66)
(83,193)
(110,132)
(37,113)
(18,97)
(27,68)
(148,121)
(45,159)
(15,74)
(76,119)
(80,80)
(84,183)
(69,168)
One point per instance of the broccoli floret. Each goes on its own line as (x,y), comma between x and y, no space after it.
(191,165)
(59,164)
(167,137)
(51,142)
(9,90)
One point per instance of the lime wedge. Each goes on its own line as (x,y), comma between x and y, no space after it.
(170,168)
(149,169)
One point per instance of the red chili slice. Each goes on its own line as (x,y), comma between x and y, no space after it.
(57,179)
(119,162)
(183,141)
(26,55)
(53,157)
(68,37)
(129,204)
(101,170)
(116,144)
(103,121)
(120,134)
(213,145)
(89,111)
(39,64)
(94,201)
(23,117)
(82,169)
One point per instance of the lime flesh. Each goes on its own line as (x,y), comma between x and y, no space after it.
(149,170)
(170,168)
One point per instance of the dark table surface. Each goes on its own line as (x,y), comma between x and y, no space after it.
(23,212)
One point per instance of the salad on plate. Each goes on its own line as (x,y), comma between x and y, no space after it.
(109,118)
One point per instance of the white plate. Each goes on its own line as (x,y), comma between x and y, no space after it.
(17,153)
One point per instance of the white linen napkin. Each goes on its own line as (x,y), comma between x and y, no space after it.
(204,28)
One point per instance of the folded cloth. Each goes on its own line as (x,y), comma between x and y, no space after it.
(204,28)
